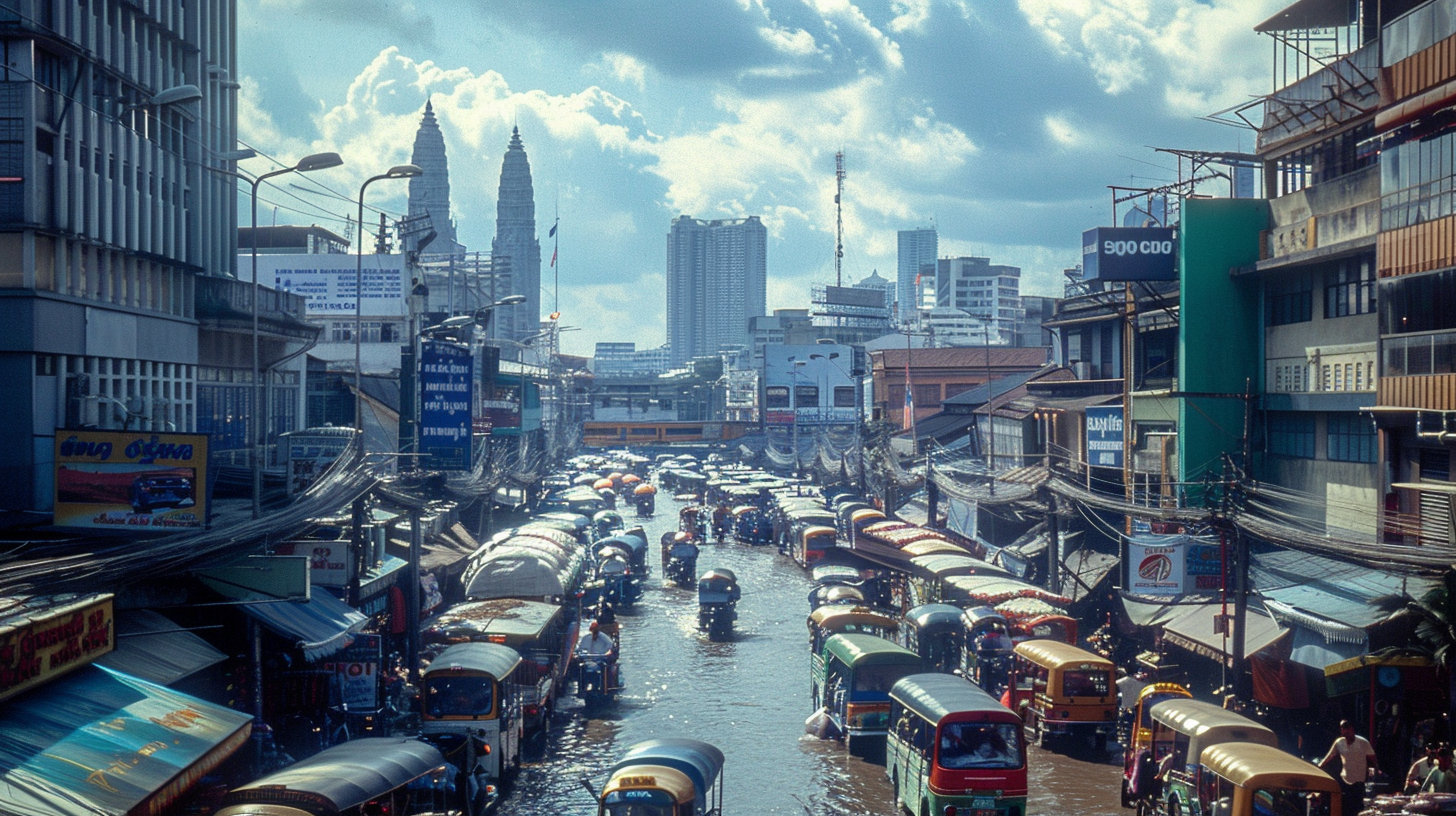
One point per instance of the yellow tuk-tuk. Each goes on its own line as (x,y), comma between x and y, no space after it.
(471,708)
(827,621)
(1245,779)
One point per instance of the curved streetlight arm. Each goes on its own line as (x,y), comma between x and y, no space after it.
(399,171)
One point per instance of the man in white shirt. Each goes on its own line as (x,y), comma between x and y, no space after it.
(596,643)
(1357,762)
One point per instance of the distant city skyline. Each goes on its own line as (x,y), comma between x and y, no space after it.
(633,115)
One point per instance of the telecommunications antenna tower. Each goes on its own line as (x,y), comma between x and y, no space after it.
(838,217)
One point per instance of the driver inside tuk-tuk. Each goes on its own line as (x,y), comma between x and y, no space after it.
(994,640)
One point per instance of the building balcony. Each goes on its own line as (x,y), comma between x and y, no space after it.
(227,303)
(1327,220)
(1327,99)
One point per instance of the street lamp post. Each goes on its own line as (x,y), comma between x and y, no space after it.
(316,161)
(399,171)
(794,389)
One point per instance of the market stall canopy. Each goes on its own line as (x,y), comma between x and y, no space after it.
(151,647)
(1195,628)
(85,745)
(320,626)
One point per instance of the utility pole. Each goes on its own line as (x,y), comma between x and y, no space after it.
(838,217)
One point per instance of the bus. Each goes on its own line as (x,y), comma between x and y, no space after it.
(471,708)
(952,748)
(859,671)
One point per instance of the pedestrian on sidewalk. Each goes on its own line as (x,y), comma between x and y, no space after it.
(1357,763)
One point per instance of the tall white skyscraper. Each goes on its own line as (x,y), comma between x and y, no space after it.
(917,253)
(515,238)
(430,193)
(717,276)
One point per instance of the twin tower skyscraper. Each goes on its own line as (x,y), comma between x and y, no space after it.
(515,251)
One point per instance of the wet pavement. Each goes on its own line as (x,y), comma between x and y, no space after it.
(749,696)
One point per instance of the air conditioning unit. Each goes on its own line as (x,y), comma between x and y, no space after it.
(1082,369)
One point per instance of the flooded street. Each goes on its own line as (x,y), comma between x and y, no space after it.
(749,696)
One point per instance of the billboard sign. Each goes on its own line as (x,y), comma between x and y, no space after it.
(1104,436)
(130,479)
(1156,565)
(1130,253)
(445,405)
(357,672)
(330,563)
(311,451)
(330,282)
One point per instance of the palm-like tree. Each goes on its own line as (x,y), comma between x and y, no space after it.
(1434,616)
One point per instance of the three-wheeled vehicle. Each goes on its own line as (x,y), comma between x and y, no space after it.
(1137,742)
(693,519)
(750,526)
(827,621)
(682,563)
(1186,727)
(823,594)
(934,632)
(718,595)
(364,776)
(952,748)
(608,523)
(1061,690)
(986,658)
(645,495)
(665,777)
(1249,779)
(859,671)
(471,709)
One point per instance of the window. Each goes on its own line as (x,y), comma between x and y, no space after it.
(806,396)
(341,332)
(843,396)
(1291,434)
(1289,301)
(1350,288)
(776,396)
(1349,438)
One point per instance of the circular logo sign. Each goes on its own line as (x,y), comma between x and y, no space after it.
(1156,568)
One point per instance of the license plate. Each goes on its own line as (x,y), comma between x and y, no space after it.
(983,802)
(984,812)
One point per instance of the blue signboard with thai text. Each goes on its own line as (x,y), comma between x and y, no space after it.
(1104,436)
(445,401)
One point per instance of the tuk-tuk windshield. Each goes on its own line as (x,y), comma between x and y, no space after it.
(965,745)
(460,696)
(1285,802)
(880,679)
(637,809)
(1085,683)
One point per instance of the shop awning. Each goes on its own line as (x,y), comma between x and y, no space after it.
(320,627)
(1193,629)
(102,743)
(152,647)
(381,577)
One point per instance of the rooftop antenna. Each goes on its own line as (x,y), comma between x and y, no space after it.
(838,217)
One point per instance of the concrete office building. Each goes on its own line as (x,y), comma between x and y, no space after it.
(114,116)
(980,288)
(916,259)
(717,275)
(515,236)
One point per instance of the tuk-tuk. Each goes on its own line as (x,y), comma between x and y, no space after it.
(693,521)
(859,671)
(1186,728)
(827,621)
(823,594)
(1061,690)
(988,644)
(1249,779)
(812,542)
(718,595)
(934,632)
(364,776)
(682,563)
(750,527)
(471,709)
(608,523)
(540,632)
(645,496)
(1138,741)
(665,777)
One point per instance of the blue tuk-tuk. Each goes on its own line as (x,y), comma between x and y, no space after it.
(718,595)
(665,777)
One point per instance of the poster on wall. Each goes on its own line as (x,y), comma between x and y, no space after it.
(1156,565)
(133,480)
(356,673)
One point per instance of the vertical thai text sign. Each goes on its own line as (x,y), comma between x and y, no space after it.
(445,401)
(1104,436)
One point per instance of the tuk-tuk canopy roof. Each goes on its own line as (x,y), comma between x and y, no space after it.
(977,617)
(833,618)
(936,695)
(699,760)
(944,565)
(630,543)
(515,619)
(493,659)
(1055,654)
(934,614)
(344,776)
(1264,767)
(606,515)
(858,649)
(837,573)
(839,593)
(1207,724)
(516,573)
(816,530)
(719,574)
(671,781)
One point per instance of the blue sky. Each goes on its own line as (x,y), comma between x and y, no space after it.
(1000,122)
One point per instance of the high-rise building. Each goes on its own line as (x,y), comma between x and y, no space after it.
(430,193)
(717,277)
(982,289)
(515,236)
(116,201)
(916,258)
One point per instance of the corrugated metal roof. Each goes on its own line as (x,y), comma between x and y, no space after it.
(1331,589)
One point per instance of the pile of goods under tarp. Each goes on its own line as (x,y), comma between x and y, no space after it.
(1420,803)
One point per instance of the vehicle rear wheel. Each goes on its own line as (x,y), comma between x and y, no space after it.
(895,787)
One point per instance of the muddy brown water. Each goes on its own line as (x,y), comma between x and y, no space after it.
(749,696)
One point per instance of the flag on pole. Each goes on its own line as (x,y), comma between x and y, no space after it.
(552,233)
(908,423)
(553,258)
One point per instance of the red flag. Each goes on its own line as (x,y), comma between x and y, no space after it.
(553,257)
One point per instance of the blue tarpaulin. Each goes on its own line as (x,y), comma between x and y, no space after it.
(319,627)
(98,742)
